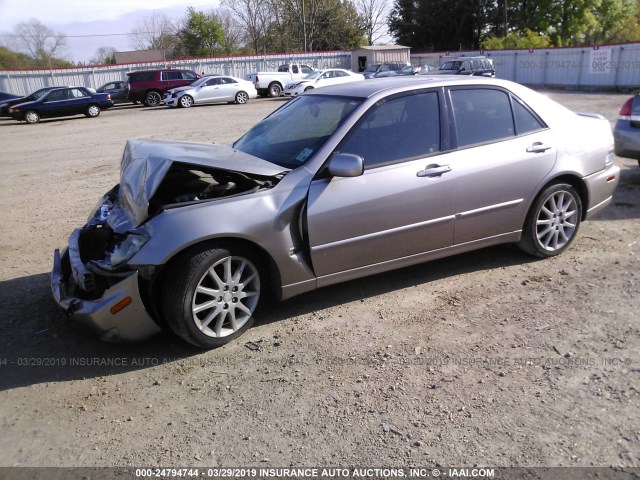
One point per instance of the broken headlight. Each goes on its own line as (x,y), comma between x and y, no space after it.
(122,251)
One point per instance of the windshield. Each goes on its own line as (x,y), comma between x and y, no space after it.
(372,68)
(200,81)
(293,133)
(37,94)
(313,75)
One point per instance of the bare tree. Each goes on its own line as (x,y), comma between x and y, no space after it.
(39,41)
(155,32)
(232,36)
(255,17)
(103,56)
(374,17)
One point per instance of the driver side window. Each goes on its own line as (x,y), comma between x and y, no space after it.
(401,128)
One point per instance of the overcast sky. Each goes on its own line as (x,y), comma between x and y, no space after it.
(113,19)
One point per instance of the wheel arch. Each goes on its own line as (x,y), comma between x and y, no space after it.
(274,284)
(572,179)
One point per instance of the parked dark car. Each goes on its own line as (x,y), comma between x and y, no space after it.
(7,96)
(6,105)
(375,69)
(477,66)
(62,102)
(117,90)
(626,132)
(149,86)
(406,70)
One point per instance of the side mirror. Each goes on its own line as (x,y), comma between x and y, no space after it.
(346,165)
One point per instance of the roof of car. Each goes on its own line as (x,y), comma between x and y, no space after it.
(368,88)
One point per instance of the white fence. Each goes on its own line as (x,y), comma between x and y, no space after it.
(22,82)
(586,68)
(603,67)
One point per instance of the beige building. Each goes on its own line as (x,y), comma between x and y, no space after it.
(363,56)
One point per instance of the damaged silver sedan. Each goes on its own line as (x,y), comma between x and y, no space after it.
(336,184)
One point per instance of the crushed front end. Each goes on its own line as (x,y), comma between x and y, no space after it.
(92,284)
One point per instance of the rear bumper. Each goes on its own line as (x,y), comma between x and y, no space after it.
(601,186)
(626,140)
(131,323)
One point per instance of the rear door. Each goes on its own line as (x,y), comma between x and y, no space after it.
(401,206)
(78,101)
(504,152)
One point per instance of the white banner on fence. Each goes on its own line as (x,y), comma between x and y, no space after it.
(600,61)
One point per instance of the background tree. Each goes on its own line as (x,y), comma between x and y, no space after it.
(202,34)
(155,32)
(439,24)
(373,15)
(254,16)
(231,41)
(39,42)
(103,56)
(10,59)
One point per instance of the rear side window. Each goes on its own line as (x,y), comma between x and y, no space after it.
(401,128)
(142,77)
(486,115)
(481,115)
(525,120)
(172,75)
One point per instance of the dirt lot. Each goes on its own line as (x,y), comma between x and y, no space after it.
(489,358)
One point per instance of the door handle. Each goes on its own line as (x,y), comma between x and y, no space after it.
(434,170)
(538,147)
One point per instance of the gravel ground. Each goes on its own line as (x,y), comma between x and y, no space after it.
(489,358)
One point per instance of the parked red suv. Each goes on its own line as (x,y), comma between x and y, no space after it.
(148,86)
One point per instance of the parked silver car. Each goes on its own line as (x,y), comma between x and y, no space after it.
(211,89)
(339,183)
(626,132)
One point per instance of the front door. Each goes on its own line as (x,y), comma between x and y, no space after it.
(402,205)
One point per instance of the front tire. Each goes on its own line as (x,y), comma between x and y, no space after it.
(92,111)
(152,99)
(185,101)
(32,117)
(209,297)
(552,222)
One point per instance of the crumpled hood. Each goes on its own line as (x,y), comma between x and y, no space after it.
(146,162)
(179,89)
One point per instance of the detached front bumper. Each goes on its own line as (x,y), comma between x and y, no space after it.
(118,315)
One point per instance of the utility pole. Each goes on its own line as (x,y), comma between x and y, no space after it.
(304,27)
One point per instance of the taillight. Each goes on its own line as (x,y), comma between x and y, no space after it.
(625,111)
(108,96)
(256,80)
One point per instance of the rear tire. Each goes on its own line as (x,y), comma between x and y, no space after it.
(152,99)
(92,111)
(552,221)
(32,117)
(209,296)
(275,90)
(242,98)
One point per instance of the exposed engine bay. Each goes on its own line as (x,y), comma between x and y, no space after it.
(186,183)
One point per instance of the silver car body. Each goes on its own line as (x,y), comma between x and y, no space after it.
(211,89)
(315,229)
(321,78)
(626,132)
